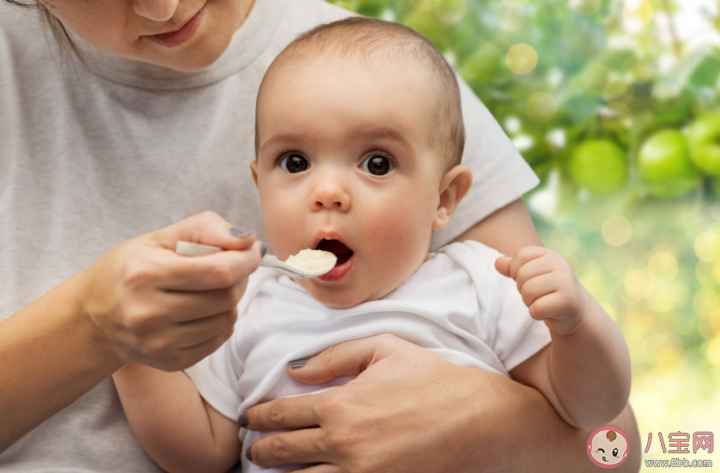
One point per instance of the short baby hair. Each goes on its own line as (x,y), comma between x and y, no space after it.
(366,38)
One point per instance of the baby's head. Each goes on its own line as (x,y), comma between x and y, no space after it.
(358,138)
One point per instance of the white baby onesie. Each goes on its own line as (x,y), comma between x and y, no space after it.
(456,305)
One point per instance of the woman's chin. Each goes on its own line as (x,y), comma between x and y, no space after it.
(199,54)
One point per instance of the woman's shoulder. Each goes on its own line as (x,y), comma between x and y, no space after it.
(21,32)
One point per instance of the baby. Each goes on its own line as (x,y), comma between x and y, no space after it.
(359,137)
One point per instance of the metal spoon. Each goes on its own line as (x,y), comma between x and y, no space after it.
(269,261)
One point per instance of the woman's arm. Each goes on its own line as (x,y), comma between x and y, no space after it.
(174,425)
(139,302)
(507,229)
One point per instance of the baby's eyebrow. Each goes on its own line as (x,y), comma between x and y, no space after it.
(368,133)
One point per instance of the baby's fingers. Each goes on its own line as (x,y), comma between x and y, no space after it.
(547,306)
(523,256)
(502,265)
(538,287)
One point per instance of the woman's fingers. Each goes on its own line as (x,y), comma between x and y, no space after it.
(322,468)
(193,333)
(190,306)
(207,228)
(220,270)
(287,448)
(182,358)
(345,359)
(285,413)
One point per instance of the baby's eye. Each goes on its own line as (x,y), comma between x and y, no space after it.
(378,165)
(615,452)
(600,450)
(293,163)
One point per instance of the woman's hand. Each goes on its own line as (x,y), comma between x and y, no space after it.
(381,421)
(409,410)
(165,310)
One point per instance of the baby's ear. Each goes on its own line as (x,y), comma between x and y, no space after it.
(253,170)
(454,187)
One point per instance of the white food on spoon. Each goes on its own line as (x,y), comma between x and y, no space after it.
(312,261)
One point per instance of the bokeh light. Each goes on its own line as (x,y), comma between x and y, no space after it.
(451,11)
(707,246)
(618,89)
(637,14)
(705,300)
(423,5)
(704,272)
(639,284)
(616,116)
(595,77)
(663,265)
(665,96)
(564,240)
(585,7)
(510,18)
(521,59)
(541,107)
(713,351)
(648,406)
(616,230)
(617,260)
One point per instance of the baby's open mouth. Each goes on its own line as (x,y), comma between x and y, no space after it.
(337,248)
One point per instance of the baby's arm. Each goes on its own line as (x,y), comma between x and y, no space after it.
(173,423)
(585,372)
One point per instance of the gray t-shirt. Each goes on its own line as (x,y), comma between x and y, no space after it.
(91,158)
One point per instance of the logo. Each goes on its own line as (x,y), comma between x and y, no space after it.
(608,447)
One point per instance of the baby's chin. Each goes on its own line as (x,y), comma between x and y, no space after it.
(338,295)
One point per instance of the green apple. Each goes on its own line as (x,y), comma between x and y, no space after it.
(665,166)
(599,166)
(704,142)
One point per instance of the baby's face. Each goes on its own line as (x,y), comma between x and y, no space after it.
(344,155)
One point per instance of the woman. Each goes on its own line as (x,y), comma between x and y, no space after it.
(157,125)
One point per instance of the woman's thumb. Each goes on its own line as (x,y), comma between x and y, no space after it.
(207,228)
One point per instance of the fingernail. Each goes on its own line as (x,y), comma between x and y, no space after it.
(239,232)
(263,250)
(248,453)
(295,364)
(243,420)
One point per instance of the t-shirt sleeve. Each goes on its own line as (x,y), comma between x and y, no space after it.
(500,174)
(216,378)
(512,334)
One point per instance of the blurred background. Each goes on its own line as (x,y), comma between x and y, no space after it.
(615,105)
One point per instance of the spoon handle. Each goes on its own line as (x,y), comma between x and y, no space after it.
(269,261)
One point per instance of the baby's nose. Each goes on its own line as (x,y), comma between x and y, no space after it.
(330,195)
(156,10)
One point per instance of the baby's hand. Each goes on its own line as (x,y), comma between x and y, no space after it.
(548,287)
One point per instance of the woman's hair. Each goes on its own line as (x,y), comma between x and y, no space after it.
(51,24)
